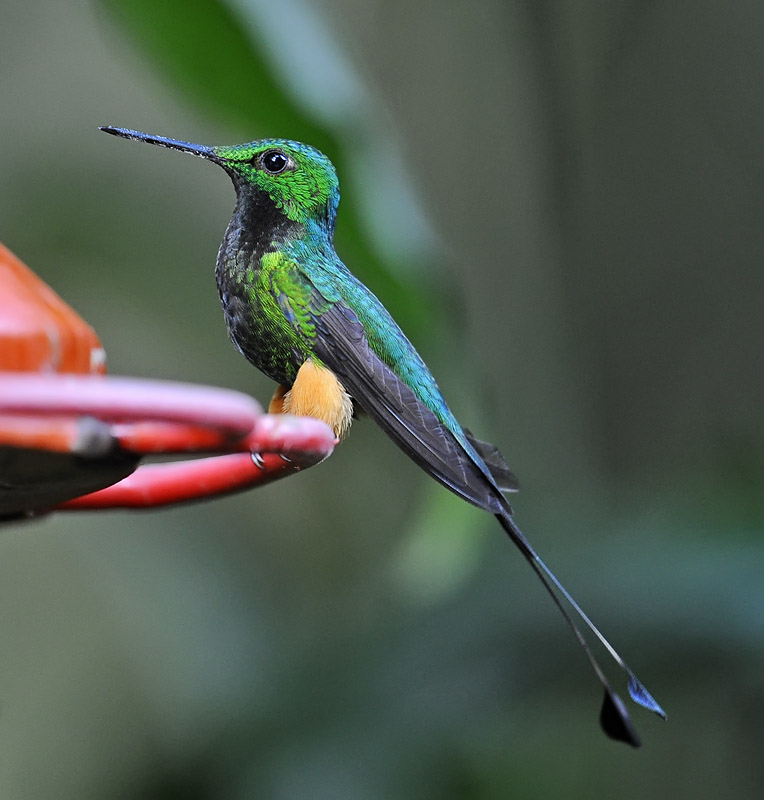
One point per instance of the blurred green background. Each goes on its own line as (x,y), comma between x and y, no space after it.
(561,203)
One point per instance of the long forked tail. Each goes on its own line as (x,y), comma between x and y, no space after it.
(614,717)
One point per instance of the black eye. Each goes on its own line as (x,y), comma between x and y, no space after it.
(274,161)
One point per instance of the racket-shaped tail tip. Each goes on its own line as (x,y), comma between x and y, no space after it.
(640,695)
(615,720)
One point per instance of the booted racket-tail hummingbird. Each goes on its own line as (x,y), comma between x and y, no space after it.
(297,313)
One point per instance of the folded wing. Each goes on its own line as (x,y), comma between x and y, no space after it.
(342,345)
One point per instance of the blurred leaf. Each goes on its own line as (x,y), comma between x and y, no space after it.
(204,50)
(441,551)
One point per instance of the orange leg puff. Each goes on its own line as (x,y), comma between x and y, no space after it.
(276,406)
(316,392)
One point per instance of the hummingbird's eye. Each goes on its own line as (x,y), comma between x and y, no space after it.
(274,162)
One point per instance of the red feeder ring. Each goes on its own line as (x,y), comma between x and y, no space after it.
(71,441)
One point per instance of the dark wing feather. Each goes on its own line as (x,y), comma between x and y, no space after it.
(342,345)
(505,479)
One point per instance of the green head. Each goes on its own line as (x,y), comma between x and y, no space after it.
(300,181)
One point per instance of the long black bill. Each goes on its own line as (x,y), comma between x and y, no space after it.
(162,141)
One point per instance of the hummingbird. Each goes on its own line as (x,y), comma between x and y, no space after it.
(298,314)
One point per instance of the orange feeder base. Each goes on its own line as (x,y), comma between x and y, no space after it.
(39,332)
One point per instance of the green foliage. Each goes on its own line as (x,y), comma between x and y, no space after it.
(203,48)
